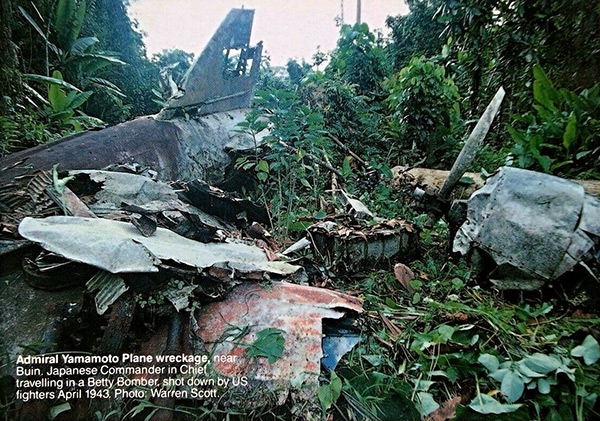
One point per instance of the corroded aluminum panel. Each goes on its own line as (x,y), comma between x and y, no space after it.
(110,287)
(118,247)
(146,141)
(530,221)
(590,219)
(355,247)
(133,189)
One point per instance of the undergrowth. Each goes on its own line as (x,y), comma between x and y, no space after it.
(454,341)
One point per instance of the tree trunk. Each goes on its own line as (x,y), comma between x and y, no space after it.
(434,179)
(10,79)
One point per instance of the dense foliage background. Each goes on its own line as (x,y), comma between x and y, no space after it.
(104,74)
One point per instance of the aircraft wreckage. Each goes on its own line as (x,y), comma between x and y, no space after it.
(136,213)
(128,234)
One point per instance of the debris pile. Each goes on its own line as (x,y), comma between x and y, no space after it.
(353,248)
(119,237)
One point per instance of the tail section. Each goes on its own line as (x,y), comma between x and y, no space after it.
(223,77)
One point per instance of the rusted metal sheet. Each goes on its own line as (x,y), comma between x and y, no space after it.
(118,326)
(295,309)
(70,202)
(223,76)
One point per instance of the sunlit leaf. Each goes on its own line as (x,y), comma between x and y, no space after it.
(512,386)
(485,404)
(570,132)
(589,350)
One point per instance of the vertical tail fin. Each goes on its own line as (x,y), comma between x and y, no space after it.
(223,77)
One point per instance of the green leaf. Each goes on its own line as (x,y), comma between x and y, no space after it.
(269,343)
(299,225)
(346,169)
(51,81)
(466,180)
(262,176)
(582,154)
(262,166)
(416,298)
(570,132)
(80,99)
(589,350)
(305,183)
(33,23)
(516,135)
(374,360)
(109,86)
(498,375)
(544,385)
(426,404)
(88,120)
(512,386)
(315,118)
(36,94)
(526,371)
(70,97)
(489,361)
(63,21)
(94,61)
(485,404)
(541,363)
(77,22)
(386,171)
(329,393)
(56,96)
(543,90)
(63,116)
(82,44)
(58,409)
(457,283)
(445,332)
(423,385)
(544,162)
(143,404)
